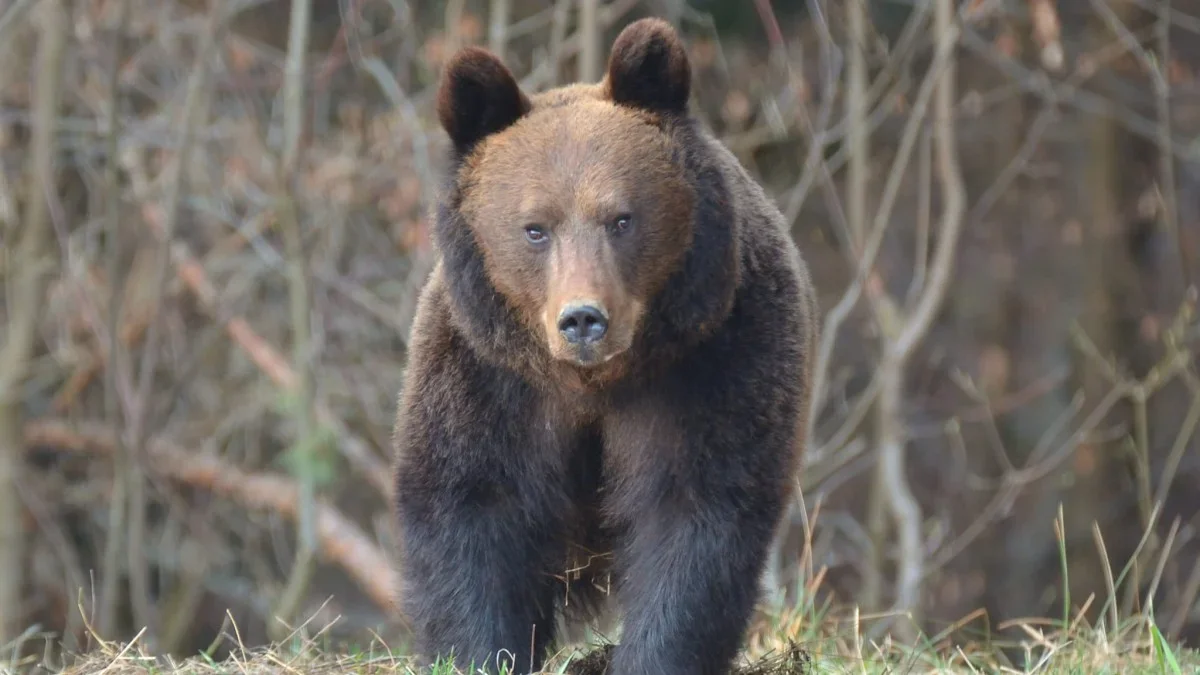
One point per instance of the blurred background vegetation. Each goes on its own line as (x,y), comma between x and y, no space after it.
(212,245)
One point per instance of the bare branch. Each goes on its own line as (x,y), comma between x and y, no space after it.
(954,194)
(265,356)
(294,73)
(866,258)
(305,450)
(858,168)
(341,541)
(589,40)
(902,331)
(12,17)
(28,283)
(454,14)
(498,20)
(562,47)
(857,131)
(136,416)
(123,466)
(1168,194)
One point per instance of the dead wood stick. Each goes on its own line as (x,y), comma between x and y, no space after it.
(339,538)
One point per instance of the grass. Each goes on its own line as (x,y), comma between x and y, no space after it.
(799,642)
(806,639)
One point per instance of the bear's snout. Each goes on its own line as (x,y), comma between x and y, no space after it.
(584,332)
(582,323)
(588,314)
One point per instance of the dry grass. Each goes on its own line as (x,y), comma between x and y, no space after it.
(806,638)
(799,642)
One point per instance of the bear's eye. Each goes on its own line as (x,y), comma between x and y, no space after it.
(535,234)
(621,223)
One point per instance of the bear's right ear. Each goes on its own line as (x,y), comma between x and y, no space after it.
(478,96)
(649,69)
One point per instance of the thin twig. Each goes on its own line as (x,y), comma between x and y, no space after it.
(1167,190)
(1183,439)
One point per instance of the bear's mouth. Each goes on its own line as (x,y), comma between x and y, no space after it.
(588,356)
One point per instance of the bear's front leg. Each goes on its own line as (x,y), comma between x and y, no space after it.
(689,589)
(479,508)
(699,490)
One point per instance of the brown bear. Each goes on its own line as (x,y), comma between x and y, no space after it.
(608,373)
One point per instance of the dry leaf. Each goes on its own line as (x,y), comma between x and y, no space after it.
(434,50)
(412,235)
(470,28)
(1178,72)
(1150,328)
(1007,44)
(875,285)
(703,53)
(1004,266)
(241,57)
(799,85)
(1072,233)
(1085,459)
(1046,32)
(994,369)
(334,177)
(736,109)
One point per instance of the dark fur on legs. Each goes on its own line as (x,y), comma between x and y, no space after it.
(490,504)
(702,458)
(480,534)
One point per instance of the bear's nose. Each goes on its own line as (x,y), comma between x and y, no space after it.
(582,324)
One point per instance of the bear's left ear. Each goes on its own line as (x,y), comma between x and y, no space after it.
(478,96)
(648,68)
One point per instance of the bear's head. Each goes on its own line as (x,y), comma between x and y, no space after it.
(574,207)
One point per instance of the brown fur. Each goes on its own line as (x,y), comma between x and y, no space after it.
(662,453)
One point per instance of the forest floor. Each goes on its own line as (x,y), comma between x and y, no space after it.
(794,645)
